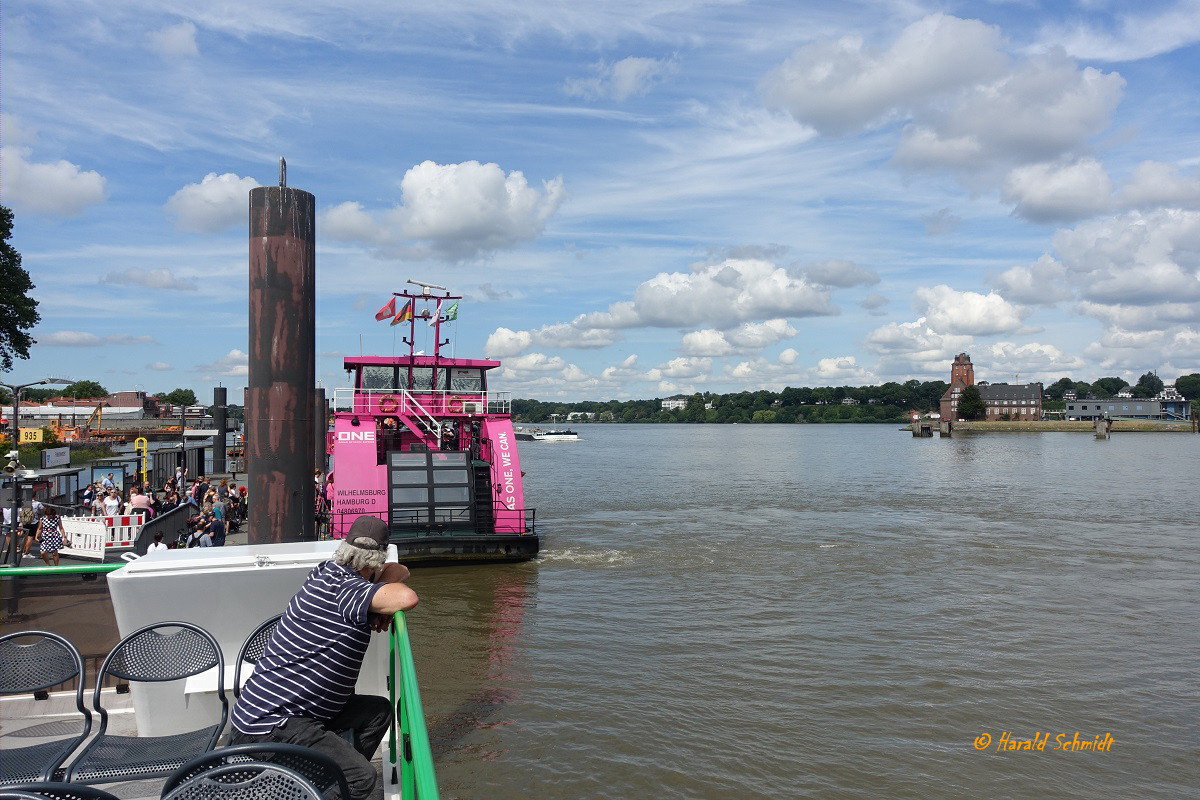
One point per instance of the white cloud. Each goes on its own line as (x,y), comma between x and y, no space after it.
(57,188)
(1059,192)
(216,203)
(235,362)
(159,366)
(685,368)
(841,86)
(967,313)
(910,349)
(175,41)
(83,339)
(349,221)
(1154,317)
(456,212)
(1042,110)
(1155,184)
(622,79)
(70,339)
(535,362)
(150,278)
(841,273)
(725,294)
(505,343)
(1043,282)
(1144,32)
(707,342)
(841,371)
(749,336)
(1032,361)
(1135,259)
(757,335)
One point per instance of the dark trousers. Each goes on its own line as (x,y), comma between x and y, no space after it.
(366,717)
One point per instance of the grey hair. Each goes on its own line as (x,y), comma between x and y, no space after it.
(358,558)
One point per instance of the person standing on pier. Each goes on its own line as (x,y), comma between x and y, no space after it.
(50,536)
(302,689)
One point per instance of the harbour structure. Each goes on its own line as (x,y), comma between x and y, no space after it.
(1167,405)
(1002,401)
(425,444)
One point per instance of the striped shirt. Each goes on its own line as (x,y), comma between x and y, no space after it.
(312,661)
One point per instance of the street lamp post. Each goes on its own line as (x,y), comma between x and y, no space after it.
(12,553)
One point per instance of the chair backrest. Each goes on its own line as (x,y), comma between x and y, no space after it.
(46,661)
(316,767)
(253,649)
(164,651)
(55,791)
(249,781)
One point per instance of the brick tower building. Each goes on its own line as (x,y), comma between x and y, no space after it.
(962,375)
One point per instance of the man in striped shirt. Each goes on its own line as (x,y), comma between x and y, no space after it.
(302,689)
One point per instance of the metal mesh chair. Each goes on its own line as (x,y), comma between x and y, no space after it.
(46,660)
(316,767)
(55,791)
(165,651)
(253,649)
(250,781)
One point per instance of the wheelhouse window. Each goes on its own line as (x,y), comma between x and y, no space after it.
(377,378)
(427,379)
(466,380)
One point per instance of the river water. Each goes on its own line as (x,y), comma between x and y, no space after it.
(832,611)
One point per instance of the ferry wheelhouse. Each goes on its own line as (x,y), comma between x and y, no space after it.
(421,442)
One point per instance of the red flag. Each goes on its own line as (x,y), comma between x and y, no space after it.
(405,313)
(387,311)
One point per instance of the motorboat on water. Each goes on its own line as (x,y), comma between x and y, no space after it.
(553,435)
(422,442)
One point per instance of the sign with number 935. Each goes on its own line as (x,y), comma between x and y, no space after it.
(31,435)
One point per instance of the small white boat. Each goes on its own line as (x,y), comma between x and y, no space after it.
(553,435)
(556,436)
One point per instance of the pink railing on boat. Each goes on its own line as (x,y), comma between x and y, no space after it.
(386,402)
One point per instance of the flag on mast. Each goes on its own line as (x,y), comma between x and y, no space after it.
(437,313)
(387,311)
(452,312)
(405,314)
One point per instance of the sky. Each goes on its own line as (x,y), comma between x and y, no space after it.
(635,199)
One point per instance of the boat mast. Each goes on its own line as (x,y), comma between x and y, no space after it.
(426,295)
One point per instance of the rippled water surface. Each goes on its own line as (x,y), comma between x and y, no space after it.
(827,611)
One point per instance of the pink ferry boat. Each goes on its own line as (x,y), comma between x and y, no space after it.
(423,444)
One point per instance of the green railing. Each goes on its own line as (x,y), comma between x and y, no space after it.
(410,745)
(72,569)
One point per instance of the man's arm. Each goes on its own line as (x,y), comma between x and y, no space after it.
(394,595)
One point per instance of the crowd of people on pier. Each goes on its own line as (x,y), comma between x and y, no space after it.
(217,509)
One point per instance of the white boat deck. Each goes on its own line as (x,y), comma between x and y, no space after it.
(25,721)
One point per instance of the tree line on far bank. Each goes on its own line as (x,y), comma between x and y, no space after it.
(888,402)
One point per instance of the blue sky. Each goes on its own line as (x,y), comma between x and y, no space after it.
(637,199)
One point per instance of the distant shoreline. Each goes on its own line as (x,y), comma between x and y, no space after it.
(1119,426)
